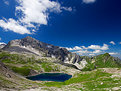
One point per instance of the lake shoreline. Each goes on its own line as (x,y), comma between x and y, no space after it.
(57,77)
(49,72)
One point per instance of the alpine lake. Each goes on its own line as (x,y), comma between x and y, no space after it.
(57,77)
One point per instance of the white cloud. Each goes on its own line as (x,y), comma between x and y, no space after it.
(90,50)
(35,11)
(97,47)
(2,43)
(70,49)
(67,9)
(87,52)
(6,2)
(91,54)
(119,42)
(77,48)
(88,1)
(97,51)
(113,53)
(93,47)
(105,47)
(14,26)
(84,47)
(29,13)
(0,39)
(83,51)
(112,42)
(74,48)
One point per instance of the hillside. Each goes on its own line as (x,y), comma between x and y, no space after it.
(32,46)
(27,66)
(21,66)
(29,57)
(102,61)
(10,81)
(15,67)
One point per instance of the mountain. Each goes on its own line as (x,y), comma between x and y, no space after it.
(102,61)
(29,57)
(15,67)
(30,45)
(106,60)
(2,45)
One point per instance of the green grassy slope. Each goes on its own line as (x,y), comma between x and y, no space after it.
(106,61)
(86,80)
(102,61)
(22,65)
(97,80)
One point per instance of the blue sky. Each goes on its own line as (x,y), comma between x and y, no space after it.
(85,27)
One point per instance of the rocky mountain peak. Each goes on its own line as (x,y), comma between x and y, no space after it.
(29,41)
(28,38)
(30,45)
(2,45)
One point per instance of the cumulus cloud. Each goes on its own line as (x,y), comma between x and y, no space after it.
(113,43)
(6,2)
(91,54)
(67,9)
(94,50)
(70,49)
(14,26)
(97,47)
(2,43)
(113,53)
(87,52)
(31,14)
(119,42)
(97,51)
(35,11)
(83,51)
(74,48)
(88,1)
(94,47)
(84,47)
(90,50)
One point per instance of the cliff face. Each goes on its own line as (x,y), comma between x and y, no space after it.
(36,47)
(2,45)
(5,71)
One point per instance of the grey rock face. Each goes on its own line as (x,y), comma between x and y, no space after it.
(2,45)
(33,73)
(37,47)
(5,71)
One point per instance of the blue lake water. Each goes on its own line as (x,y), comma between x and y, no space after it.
(58,77)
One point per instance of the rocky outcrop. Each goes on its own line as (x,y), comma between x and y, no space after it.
(2,45)
(5,71)
(33,73)
(36,47)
